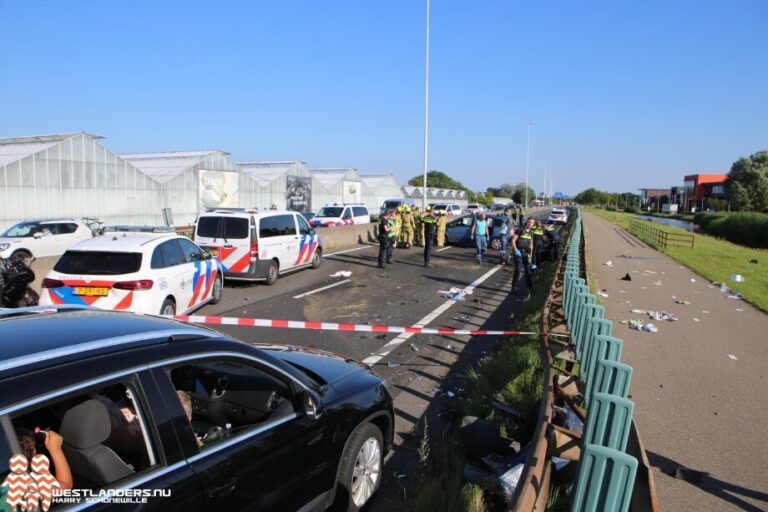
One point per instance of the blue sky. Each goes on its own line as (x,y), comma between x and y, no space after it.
(621,94)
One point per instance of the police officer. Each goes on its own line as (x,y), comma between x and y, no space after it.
(522,249)
(442,222)
(387,234)
(552,237)
(538,243)
(429,223)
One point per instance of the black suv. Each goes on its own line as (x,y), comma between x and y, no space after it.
(201,420)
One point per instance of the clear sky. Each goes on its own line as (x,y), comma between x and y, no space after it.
(621,94)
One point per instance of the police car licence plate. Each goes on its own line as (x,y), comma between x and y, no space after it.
(93,291)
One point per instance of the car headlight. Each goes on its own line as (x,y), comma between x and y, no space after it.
(4,246)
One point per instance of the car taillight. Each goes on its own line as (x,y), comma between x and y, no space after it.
(255,250)
(52,283)
(141,284)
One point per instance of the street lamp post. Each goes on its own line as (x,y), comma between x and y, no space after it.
(426,117)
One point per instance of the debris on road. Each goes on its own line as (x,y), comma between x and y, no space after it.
(639,325)
(657,283)
(737,278)
(684,302)
(454,293)
(733,357)
(463,318)
(662,315)
(693,280)
(608,263)
(341,273)
(736,296)
(626,277)
(392,364)
(696,319)
(414,347)
(603,293)
(689,475)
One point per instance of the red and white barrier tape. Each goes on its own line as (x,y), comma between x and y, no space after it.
(328,326)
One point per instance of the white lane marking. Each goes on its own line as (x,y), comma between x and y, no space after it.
(349,250)
(321,289)
(396,342)
(443,249)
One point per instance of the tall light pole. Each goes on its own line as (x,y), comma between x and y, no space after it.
(527,164)
(426,117)
(544,190)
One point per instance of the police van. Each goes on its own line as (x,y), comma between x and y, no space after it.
(258,246)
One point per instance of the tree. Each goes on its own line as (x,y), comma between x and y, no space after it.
(747,184)
(505,190)
(437,179)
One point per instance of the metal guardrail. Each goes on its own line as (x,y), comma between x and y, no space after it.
(658,237)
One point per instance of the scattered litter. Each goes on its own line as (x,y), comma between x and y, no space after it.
(693,280)
(414,347)
(603,293)
(739,309)
(510,479)
(392,364)
(435,391)
(463,318)
(737,278)
(639,311)
(657,283)
(454,293)
(626,277)
(622,291)
(608,263)
(662,315)
(650,272)
(573,422)
(341,273)
(639,325)
(381,337)
(643,287)
(733,357)
(705,311)
(685,302)
(710,286)
(449,347)
(696,319)
(736,296)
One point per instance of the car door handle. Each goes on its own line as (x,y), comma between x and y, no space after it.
(228,246)
(223,490)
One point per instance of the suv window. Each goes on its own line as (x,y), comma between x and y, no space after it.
(347,213)
(229,396)
(269,227)
(5,455)
(171,254)
(303,225)
(104,430)
(62,228)
(208,227)
(98,263)
(360,211)
(286,225)
(191,252)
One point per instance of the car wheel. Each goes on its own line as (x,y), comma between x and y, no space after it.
(496,244)
(272,273)
(24,256)
(218,290)
(168,307)
(317,259)
(361,466)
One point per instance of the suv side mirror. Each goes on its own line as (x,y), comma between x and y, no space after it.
(207,256)
(312,232)
(311,405)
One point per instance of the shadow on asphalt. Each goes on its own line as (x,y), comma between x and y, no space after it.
(724,490)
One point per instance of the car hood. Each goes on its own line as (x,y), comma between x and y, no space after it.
(342,375)
(4,240)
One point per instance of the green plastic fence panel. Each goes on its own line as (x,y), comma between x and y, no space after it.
(569,283)
(608,421)
(595,327)
(589,312)
(581,311)
(605,480)
(571,312)
(604,347)
(611,377)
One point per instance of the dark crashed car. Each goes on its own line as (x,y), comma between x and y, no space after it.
(458,230)
(208,422)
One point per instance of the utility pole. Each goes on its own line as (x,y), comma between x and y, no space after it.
(426,117)
(544,190)
(527,164)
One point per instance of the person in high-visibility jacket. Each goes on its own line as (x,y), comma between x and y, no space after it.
(442,222)
(406,231)
(522,250)
(538,243)
(427,211)
(417,229)
(430,228)
(398,222)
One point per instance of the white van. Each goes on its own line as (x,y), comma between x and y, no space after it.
(346,215)
(255,246)
(393,204)
(449,209)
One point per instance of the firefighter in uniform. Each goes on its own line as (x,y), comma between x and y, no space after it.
(427,211)
(522,250)
(397,217)
(442,222)
(417,235)
(406,233)
(387,238)
(429,224)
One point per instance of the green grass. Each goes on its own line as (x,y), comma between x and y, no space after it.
(716,260)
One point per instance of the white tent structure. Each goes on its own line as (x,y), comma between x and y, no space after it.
(72,175)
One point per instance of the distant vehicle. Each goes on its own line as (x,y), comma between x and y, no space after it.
(474,208)
(255,246)
(308,215)
(40,238)
(150,273)
(146,403)
(392,204)
(499,207)
(449,209)
(458,230)
(329,216)
(558,216)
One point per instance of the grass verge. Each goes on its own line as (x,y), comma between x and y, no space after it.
(714,259)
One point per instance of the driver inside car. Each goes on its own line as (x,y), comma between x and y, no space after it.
(186,403)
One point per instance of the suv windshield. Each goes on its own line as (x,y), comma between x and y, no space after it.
(23,230)
(330,211)
(98,263)
(392,204)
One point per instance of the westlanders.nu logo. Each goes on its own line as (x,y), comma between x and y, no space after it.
(32,488)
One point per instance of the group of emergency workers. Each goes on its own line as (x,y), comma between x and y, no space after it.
(529,242)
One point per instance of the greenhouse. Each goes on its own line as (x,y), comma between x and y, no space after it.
(285,185)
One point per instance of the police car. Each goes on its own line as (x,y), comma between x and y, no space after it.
(341,216)
(149,273)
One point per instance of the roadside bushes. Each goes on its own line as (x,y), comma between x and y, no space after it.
(744,228)
(631,209)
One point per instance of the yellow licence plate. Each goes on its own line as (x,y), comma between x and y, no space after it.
(92,291)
